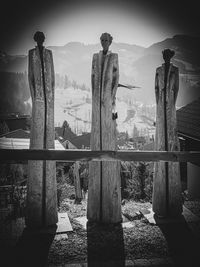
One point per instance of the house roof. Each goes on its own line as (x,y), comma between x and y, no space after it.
(81,141)
(69,144)
(19,133)
(188,119)
(149,146)
(22,143)
(65,132)
(16,122)
(139,139)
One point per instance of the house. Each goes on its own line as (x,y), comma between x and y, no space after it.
(69,139)
(11,181)
(65,132)
(67,144)
(18,139)
(188,124)
(15,121)
(138,142)
(82,141)
(149,146)
(19,133)
(22,143)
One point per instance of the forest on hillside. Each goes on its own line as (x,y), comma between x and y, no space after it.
(15,92)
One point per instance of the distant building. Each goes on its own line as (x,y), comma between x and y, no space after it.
(67,144)
(68,137)
(19,133)
(15,121)
(149,146)
(82,141)
(138,142)
(22,143)
(188,123)
(3,127)
(65,132)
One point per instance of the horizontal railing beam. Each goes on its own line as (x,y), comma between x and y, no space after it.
(23,155)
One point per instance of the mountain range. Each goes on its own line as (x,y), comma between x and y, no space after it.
(136,108)
(137,65)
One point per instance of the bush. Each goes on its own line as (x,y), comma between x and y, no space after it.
(136,180)
(65,179)
(62,178)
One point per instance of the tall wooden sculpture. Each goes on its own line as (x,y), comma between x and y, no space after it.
(42,191)
(166,185)
(104,193)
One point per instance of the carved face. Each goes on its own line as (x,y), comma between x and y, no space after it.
(167,55)
(39,38)
(105,42)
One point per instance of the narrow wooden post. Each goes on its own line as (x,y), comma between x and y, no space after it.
(77,184)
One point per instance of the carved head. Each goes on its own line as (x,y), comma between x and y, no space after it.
(39,38)
(106,40)
(167,55)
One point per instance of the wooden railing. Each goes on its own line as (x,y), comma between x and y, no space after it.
(23,155)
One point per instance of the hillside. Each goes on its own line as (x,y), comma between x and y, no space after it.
(137,64)
(71,105)
(136,108)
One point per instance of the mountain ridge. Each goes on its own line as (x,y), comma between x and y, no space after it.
(137,64)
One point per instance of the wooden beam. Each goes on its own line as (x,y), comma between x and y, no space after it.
(23,155)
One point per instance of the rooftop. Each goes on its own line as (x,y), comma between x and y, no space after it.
(19,133)
(188,119)
(22,143)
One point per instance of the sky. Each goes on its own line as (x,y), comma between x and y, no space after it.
(140,22)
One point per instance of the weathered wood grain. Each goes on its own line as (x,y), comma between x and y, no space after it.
(167,199)
(77,183)
(23,155)
(41,208)
(104,194)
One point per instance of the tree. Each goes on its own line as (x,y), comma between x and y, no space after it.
(74,84)
(3,128)
(15,91)
(129,187)
(135,132)
(59,81)
(77,183)
(126,136)
(67,132)
(136,180)
(66,82)
(142,175)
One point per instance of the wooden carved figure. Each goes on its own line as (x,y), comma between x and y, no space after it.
(167,201)
(104,193)
(42,191)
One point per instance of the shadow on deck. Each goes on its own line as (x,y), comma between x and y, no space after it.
(105,245)
(182,243)
(25,247)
